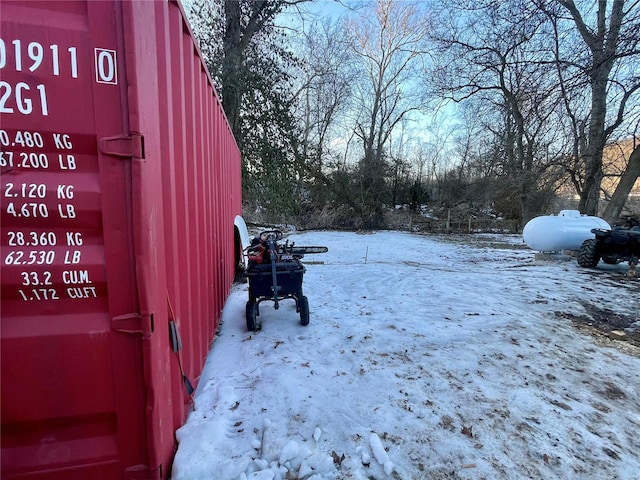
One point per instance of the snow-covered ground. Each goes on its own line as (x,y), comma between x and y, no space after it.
(425,358)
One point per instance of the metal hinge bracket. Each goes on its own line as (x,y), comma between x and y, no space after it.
(125,146)
(133,323)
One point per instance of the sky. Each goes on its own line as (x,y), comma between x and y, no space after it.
(426,357)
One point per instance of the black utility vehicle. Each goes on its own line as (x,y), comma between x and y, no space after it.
(613,246)
(275,273)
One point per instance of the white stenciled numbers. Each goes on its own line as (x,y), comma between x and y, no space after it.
(33,56)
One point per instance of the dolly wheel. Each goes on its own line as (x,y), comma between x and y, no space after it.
(304,310)
(252,324)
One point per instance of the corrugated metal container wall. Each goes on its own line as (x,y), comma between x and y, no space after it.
(120,186)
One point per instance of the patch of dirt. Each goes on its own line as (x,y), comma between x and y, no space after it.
(501,242)
(600,322)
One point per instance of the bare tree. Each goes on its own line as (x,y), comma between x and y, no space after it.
(324,90)
(388,44)
(494,52)
(604,66)
(322,94)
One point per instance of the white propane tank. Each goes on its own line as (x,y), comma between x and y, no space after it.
(566,231)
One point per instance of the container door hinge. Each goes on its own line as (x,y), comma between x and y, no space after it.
(133,323)
(124,146)
(137,472)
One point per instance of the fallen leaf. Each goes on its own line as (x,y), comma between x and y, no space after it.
(337,459)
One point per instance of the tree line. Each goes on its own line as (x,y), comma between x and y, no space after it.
(494,105)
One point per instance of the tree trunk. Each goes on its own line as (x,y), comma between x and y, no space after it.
(602,42)
(627,180)
(596,142)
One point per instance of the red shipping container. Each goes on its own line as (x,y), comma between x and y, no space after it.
(121,198)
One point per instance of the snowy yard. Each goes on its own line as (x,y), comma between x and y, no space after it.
(426,358)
